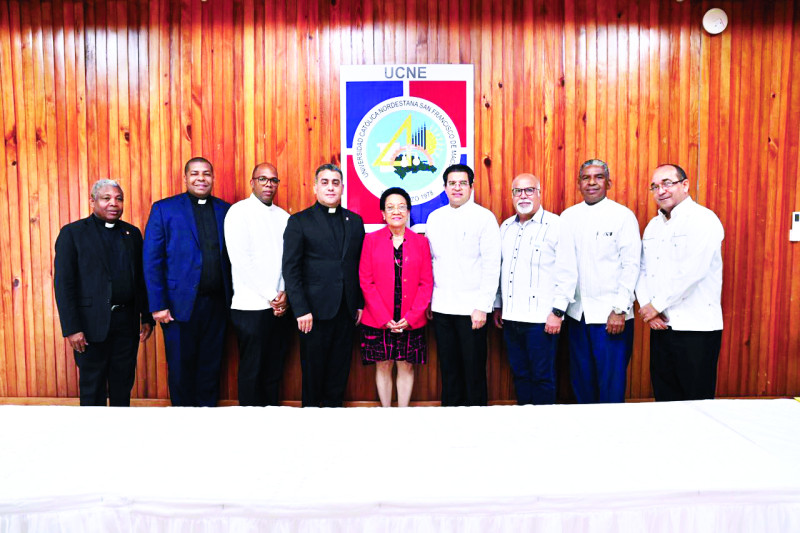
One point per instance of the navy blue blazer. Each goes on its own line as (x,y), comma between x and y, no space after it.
(173,260)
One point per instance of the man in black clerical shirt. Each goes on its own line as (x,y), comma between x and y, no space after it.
(188,277)
(321,252)
(101,298)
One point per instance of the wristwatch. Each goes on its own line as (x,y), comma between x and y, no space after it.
(558,312)
(618,311)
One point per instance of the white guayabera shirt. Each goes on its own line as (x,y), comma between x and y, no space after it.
(527,273)
(682,267)
(465,248)
(597,262)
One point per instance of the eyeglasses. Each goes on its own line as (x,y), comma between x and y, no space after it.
(666,184)
(262,180)
(463,183)
(529,191)
(402,208)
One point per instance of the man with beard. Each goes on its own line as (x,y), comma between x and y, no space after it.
(523,308)
(321,254)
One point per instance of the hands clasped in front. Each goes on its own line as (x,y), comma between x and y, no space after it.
(398,326)
(653,318)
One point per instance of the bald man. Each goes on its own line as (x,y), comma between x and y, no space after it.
(680,290)
(254,235)
(523,308)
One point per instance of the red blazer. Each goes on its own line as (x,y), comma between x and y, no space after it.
(376,272)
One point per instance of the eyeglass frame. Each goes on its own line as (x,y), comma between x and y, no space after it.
(666,185)
(520,190)
(262,180)
(402,208)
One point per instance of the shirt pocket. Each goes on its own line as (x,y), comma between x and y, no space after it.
(679,244)
(606,247)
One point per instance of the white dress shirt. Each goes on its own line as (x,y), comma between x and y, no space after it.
(682,267)
(254,238)
(597,262)
(465,248)
(527,273)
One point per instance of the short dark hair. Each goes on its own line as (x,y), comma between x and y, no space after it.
(328,166)
(458,168)
(394,190)
(197,159)
(678,170)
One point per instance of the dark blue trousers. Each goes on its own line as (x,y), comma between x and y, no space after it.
(194,353)
(598,362)
(532,356)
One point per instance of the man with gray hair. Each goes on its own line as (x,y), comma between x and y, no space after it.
(101,297)
(523,308)
(597,265)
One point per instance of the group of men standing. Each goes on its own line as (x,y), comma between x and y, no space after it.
(587,266)
(202,257)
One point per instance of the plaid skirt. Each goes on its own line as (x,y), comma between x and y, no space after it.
(383,345)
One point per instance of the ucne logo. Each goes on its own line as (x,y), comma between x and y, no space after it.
(405,142)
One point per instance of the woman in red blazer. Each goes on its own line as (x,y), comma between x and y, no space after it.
(397,282)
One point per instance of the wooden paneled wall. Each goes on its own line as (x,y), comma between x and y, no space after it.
(132,89)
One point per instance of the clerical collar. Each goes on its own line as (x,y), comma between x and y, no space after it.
(329,210)
(101,222)
(198,201)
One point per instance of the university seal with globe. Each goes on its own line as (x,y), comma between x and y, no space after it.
(405,142)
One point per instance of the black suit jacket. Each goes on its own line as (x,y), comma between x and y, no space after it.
(83,278)
(316,271)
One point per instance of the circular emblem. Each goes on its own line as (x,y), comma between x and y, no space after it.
(405,142)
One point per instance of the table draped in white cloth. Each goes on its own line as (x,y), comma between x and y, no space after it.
(710,466)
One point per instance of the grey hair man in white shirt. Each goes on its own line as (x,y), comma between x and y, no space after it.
(254,236)
(597,265)
(465,248)
(525,300)
(680,288)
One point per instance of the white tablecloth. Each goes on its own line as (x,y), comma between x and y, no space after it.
(724,465)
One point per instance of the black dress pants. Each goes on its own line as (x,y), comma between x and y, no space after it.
(108,368)
(683,364)
(462,359)
(263,340)
(325,354)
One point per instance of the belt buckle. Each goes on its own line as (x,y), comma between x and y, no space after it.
(115,307)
